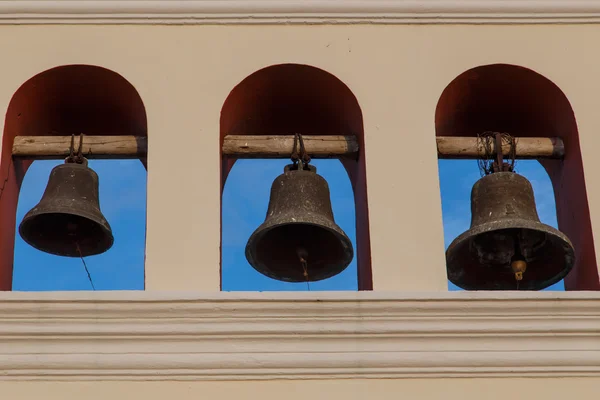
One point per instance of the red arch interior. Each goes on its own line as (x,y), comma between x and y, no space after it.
(293,98)
(517,100)
(65,100)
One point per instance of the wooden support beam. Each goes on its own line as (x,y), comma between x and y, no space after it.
(94,147)
(340,146)
(265,146)
(454,147)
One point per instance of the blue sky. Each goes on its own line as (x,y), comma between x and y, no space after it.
(245,200)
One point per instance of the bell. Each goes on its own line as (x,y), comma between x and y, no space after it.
(299,240)
(67,221)
(507,247)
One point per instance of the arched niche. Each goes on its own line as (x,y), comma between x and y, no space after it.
(61,101)
(517,100)
(295,98)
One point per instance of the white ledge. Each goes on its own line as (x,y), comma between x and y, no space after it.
(236,336)
(298,11)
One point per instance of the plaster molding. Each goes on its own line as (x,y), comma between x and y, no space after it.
(297,11)
(239,336)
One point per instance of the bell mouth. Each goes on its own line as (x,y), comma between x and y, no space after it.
(66,234)
(272,250)
(552,256)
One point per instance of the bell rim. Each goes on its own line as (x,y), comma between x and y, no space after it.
(510,223)
(267,226)
(105,227)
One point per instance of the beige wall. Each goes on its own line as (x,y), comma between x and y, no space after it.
(184,74)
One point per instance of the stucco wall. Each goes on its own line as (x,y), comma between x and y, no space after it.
(397,73)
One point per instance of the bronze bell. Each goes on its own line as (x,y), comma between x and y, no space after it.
(299,231)
(67,221)
(507,243)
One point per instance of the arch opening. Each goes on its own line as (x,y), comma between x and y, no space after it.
(61,101)
(294,98)
(517,100)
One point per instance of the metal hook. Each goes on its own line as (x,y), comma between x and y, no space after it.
(72,158)
(305,156)
(303,159)
(80,150)
(294,155)
(71,148)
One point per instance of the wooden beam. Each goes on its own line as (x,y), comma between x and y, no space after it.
(266,146)
(94,147)
(338,146)
(454,147)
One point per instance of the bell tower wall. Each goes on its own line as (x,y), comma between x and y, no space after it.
(404,72)
(291,98)
(63,100)
(184,75)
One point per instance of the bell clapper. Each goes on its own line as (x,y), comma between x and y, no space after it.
(518,267)
(518,263)
(303,257)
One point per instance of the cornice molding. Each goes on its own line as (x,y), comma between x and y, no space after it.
(297,11)
(238,336)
